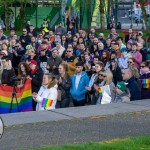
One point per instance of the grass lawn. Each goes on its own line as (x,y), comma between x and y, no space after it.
(131,143)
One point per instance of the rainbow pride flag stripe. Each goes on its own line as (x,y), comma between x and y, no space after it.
(145,83)
(47,102)
(100,92)
(24,98)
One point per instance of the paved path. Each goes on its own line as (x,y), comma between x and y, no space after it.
(75,131)
(75,125)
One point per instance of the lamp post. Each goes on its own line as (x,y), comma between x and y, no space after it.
(116,13)
(132,14)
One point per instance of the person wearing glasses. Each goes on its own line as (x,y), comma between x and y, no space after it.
(107,80)
(144,75)
(93,80)
(25,38)
(80,81)
(130,62)
(71,61)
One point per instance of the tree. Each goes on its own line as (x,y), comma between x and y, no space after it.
(102,14)
(142,3)
(7,10)
(23,4)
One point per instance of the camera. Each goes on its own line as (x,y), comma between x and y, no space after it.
(14,80)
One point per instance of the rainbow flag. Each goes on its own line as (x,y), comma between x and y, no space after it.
(145,83)
(100,92)
(24,97)
(47,102)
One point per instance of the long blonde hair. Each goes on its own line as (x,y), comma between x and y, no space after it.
(109,75)
(53,82)
(134,72)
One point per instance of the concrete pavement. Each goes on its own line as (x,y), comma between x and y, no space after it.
(75,125)
(75,112)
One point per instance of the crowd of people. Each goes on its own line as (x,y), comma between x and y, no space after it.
(70,66)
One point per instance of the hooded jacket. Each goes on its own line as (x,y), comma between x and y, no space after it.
(79,93)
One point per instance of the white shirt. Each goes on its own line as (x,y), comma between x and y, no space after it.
(77,80)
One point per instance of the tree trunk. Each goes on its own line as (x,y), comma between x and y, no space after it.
(22,12)
(142,2)
(6,15)
(102,14)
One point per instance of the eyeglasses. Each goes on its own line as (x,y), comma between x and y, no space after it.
(129,62)
(24,31)
(142,66)
(102,75)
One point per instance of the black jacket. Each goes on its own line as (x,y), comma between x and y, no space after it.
(134,89)
(7,76)
(117,75)
(27,40)
(65,87)
(36,80)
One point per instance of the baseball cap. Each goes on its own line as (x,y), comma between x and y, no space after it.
(122,86)
(34,62)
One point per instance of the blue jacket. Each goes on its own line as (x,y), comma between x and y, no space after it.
(79,93)
(134,89)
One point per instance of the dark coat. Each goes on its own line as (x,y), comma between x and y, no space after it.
(127,38)
(65,87)
(36,80)
(145,93)
(54,61)
(7,75)
(117,75)
(27,40)
(134,89)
